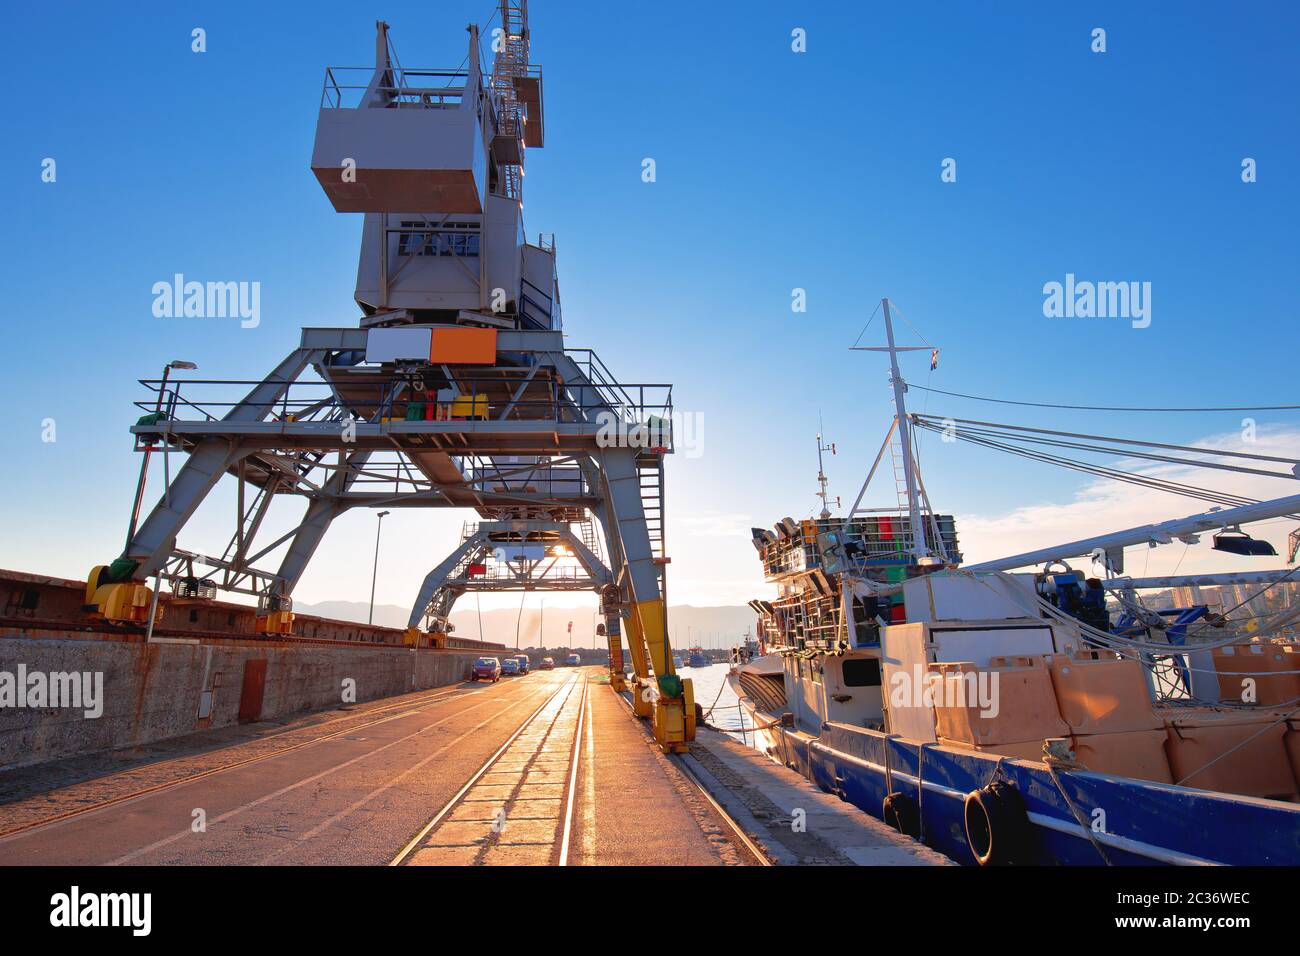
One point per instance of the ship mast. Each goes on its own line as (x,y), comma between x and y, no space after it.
(821,476)
(904,427)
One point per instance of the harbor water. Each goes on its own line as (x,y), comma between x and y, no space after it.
(714,694)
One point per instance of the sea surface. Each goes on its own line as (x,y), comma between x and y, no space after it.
(710,686)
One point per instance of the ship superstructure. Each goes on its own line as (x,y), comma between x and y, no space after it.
(839,579)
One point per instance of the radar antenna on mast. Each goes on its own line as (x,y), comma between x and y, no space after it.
(821,476)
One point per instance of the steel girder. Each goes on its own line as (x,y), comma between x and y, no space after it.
(577,429)
(611,602)
(320,515)
(623,519)
(218,446)
(445,584)
(213,457)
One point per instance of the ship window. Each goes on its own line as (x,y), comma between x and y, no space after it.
(862,672)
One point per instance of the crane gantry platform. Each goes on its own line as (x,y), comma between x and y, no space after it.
(454,390)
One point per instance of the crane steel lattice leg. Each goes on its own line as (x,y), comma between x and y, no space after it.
(665,697)
(210,459)
(436,578)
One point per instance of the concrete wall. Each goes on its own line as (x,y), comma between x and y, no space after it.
(155,691)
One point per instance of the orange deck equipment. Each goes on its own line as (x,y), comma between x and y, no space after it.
(1201,753)
(1274,669)
(1023,707)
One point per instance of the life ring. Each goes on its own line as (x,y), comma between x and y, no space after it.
(997,825)
(901,812)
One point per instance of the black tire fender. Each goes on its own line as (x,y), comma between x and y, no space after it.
(900,811)
(997,825)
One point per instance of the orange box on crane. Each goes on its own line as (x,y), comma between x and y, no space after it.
(463,346)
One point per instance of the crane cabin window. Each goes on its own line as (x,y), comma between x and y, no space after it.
(451,239)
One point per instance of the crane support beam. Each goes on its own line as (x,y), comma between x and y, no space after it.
(320,515)
(209,460)
(438,576)
(446,583)
(1212,579)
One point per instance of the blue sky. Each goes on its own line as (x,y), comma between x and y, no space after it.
(775,171)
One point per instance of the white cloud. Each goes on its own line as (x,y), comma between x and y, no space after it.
(716,524)
(1104,506)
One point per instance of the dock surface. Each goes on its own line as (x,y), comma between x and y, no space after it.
(545,769)
(794,822)
(542,769)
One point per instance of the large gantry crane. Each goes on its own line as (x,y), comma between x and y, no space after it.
(455,390)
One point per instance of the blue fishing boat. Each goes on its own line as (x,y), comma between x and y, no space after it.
(1037,717)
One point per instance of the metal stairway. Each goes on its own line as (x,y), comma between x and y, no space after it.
(650,474)
(511,61)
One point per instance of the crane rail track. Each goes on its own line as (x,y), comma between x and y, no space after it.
(497,827)
(737,830)
(745,839)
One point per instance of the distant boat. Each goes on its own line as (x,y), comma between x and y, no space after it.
(698,658)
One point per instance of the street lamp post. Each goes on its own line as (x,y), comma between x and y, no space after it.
(144,464)
(139,494)
(374,576)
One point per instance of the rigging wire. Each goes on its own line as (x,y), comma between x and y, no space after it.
(987,437)
(896,309)
(1110,408)
(1116,642)
(870,319)
(465,59)
(1157,484)
(1187,546)
(1122,441)
(1128,453)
